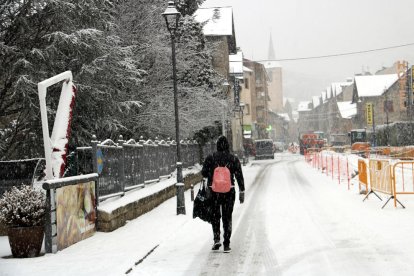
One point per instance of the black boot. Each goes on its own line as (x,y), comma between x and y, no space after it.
(216,246)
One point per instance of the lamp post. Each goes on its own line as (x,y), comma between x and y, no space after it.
(172,16)
(226,86)
(242,105)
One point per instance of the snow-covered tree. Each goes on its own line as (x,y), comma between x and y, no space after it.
(143,25)
(39,39)
(120,55)
(188,7)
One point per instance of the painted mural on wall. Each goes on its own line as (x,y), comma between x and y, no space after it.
(76,213)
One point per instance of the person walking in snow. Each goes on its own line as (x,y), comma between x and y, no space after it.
(220,169)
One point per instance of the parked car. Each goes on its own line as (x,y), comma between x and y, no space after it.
(278,146)
(264,149)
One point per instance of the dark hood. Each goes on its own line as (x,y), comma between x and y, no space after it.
(222,144)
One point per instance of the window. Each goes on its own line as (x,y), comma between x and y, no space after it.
(246,83)
(247,109)
(388,106)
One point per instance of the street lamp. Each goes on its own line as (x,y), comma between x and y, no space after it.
(242,105)
(226,86)
(172,16)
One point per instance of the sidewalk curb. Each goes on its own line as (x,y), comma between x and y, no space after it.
(108,222)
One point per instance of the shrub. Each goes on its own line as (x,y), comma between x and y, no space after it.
(23,206)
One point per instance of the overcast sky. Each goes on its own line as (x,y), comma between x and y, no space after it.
(303,28)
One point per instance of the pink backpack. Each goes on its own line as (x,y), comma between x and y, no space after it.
(221,180)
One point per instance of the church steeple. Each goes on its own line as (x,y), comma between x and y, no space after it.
(271,54)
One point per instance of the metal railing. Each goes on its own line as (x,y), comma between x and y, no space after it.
(127,165)
(20,172)
(121,165)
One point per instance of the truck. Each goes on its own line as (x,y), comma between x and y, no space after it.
(263,149)
(311,139)
(358,135)
(359,140)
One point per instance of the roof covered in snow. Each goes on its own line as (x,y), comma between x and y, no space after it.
(304,106)
(218,20)
(316,100)
(347,109)
(271,64)
(323,96)
(285,116)
(375,85)
(328,92)
(290,100)
(236,64)
(338,87)
(295,116)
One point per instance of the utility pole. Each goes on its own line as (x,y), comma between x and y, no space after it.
(374,137)
(386,107)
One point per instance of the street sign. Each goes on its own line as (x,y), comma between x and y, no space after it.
(269,128)
(402,69)
(99,157)
(369,113)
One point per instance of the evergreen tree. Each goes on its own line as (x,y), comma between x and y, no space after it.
(188,7)
(39,39)
(143,26)
(120,55)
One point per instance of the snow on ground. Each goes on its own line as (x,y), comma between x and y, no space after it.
(116,252)
(379,239)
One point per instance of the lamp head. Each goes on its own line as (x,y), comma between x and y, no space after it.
(171,16)
(242,105)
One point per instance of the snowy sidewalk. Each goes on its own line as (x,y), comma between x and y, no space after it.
(117,252)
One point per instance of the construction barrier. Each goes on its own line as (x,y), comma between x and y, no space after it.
(375,175)
(333,164)
(403,179)
(380,177)
(362,175)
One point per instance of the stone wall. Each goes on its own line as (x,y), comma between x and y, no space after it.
(108,222)
(3,230)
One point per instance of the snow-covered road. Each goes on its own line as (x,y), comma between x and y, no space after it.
(295,221)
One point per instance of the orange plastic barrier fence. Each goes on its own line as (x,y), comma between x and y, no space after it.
(377,175)
(380,179)
(362,175)
(402,152)
(403,179)
(334,165)
(380,176)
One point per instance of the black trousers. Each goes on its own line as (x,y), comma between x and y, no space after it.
(222,208)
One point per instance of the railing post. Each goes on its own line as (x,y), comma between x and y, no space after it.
(142,158)
(121,140)
(157,153)
(122,163)
(48,224)
(94,143)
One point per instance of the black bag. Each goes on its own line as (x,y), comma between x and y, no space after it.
(202,204)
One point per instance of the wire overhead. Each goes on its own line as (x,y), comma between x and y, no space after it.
(341,54)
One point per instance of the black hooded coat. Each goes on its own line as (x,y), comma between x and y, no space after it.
(222,203)
(223,158)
